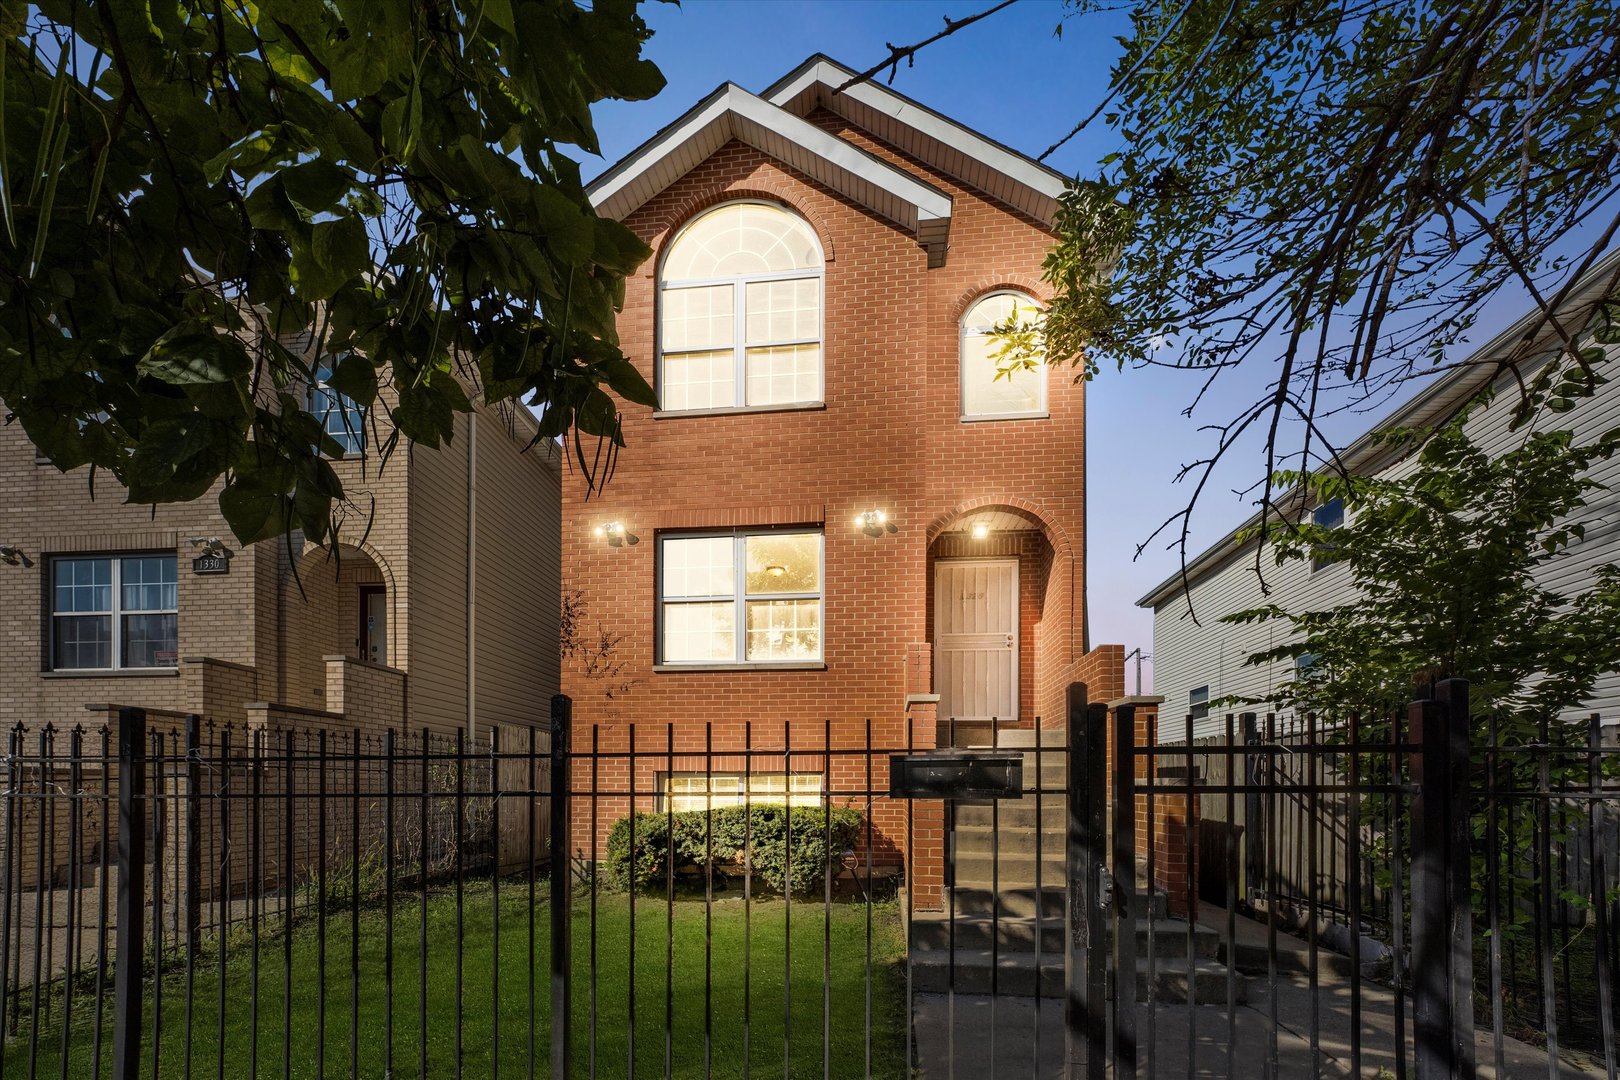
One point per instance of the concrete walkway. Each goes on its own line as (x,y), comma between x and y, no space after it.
(1006,1047)
(1008,1039)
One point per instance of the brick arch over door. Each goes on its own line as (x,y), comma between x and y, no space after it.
(1062,631)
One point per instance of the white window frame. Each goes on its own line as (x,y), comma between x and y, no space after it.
(350,436)
(1041,412)
(740,597)
(116,613)
(739,313)
(1194,702)
(789,796)
(1323,558)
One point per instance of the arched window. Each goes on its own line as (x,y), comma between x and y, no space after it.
(988,393)
(341,416)
(740,311)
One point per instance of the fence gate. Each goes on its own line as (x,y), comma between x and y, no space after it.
(1422,895)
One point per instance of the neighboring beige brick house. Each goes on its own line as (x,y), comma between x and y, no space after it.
(443,615)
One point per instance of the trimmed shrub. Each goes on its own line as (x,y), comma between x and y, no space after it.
(743,840)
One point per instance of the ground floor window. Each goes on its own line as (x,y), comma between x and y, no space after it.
(114,611)
(699,791)
(740,597)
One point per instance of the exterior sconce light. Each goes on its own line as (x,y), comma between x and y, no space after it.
(12,555)
(615,534)
(209,545)
(874,523)
(980,530)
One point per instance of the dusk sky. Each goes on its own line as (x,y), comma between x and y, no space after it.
(1012,79)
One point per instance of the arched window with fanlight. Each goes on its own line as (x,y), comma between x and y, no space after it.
(340,416)
(991,388)
(739,322)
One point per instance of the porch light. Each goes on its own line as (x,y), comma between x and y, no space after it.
(981,530)
(12,555)
(615,533)
(873,522)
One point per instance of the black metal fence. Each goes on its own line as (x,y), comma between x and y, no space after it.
(804,899)
(1381,895)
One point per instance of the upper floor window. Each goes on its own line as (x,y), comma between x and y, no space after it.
(1329,515)
(341,416)
(739,323)
(1198,702)
(117,611)
(988,392)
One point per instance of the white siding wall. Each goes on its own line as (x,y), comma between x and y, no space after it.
(1189,654)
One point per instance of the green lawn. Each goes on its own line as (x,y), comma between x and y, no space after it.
(479,1011)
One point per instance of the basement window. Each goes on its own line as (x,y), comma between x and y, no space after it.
(700,791)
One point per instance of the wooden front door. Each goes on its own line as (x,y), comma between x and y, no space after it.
(976,638)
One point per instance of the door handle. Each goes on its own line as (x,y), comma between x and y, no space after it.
(1009,641)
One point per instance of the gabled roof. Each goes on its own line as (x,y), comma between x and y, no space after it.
(958,151)
(1435,405)
(775,124)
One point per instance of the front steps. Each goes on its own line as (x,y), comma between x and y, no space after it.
(1002,930)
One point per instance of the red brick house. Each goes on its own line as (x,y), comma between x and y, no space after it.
(839,514)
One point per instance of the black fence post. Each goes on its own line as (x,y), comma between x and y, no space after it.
(1442,910)
(131,936)
(562,952)
(1254,832)
(1086,862)
(1125,892)
(193,799)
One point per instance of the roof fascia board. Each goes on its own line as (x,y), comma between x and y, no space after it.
(1442,400)
(829,75)
(732,112)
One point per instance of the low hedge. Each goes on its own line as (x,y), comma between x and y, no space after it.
(762,829)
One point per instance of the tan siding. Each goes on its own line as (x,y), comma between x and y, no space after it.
(437,567)
(518,533)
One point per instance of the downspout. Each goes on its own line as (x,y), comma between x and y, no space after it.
(472,575)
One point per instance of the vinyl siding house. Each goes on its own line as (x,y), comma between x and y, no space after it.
(439,612)
(1199,659)
(839,514)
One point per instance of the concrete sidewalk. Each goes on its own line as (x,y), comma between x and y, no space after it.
(1000,1039)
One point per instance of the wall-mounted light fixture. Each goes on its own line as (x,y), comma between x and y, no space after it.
(980,530)
(774,570)
(615,534)
(209,545)
(12,555)
(874,523)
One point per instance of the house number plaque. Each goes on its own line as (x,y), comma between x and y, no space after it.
(210,564)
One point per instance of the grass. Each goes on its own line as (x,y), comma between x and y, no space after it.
(274,1047)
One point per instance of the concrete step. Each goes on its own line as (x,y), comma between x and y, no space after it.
(1018,814)
(1009,867)
(1017,975)
(1025,737)
(977,898)
(932,930)
(1009,840)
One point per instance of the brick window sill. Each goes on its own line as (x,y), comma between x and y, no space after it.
(113,673)
(814,665)
(740,410)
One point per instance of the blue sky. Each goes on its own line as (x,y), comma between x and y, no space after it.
(1012,79)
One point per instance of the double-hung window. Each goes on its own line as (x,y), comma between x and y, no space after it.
(341,416)
(112,612)
(1198,702)
(1329,515)
(739,322)
(740,598)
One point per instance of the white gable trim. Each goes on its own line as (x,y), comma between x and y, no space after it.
(733,113)
(956,150)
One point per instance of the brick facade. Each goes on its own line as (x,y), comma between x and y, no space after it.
(282,627)
(889,436)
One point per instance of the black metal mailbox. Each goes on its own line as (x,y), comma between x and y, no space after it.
(956,776)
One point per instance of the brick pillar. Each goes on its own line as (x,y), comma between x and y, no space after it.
(927,882)
(1173,812)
